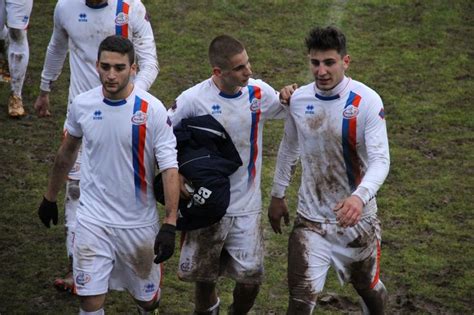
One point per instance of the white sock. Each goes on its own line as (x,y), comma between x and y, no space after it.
(18,56)
(98,312)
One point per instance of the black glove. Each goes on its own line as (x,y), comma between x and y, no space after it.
(48,211)
(164,243)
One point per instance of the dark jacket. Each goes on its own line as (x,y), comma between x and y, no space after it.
(206,157)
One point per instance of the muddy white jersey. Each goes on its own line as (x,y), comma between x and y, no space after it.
(80,29)
(243,116)
(122,141)
(343,146)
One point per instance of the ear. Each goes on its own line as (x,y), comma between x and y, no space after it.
(216,71)
(97,65)
(346,60)
(134,68)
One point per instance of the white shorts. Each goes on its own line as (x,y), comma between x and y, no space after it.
(232,247)
(313,247)
(115,258)
(15,13)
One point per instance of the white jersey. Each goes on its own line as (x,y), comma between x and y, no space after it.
(121,142)
(243,116)
(80,29)
(343,146)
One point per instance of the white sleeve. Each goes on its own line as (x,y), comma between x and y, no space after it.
(55,53)
(376,142)
(287,158)
(164,141)
(72,126)
(272,107)
(182,108)
(145,48)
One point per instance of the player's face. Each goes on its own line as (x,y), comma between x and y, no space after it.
(237,74)
(115,72)
(328,67)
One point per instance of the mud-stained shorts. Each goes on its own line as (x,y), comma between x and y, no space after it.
(232,247)
(313,247)
(115,258)
(15,13)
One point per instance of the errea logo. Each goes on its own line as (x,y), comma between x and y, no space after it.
(309,109)
(82,17)
(97,115)
(216,109)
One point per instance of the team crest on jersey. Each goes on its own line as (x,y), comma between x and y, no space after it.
(309,109)
(83,278)
(139,118)
(350,112)
(255,105)
(216,109)
(121,19)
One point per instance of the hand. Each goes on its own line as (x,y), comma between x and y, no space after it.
(48,211)
(278,208)
(286,92)
(185,189)
(41,105)
(164,243)
(349,211)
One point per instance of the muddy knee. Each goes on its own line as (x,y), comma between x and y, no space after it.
(300,307)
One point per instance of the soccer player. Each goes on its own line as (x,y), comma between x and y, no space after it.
(14,19)
(336,125)
(125,132)
(232,247)
(79,27)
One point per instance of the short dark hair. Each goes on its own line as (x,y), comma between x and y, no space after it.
(326,38)
(118,44)
(222,48)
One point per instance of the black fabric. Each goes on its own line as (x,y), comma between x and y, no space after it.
(206,157)
(48,211)
(164,243)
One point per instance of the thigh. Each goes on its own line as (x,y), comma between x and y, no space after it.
(242,259)
(357,255)
(18,13)
(93,261)
(134,269)
(309,259)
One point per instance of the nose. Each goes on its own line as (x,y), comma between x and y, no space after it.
(321,70)
(111,74)
(248,70)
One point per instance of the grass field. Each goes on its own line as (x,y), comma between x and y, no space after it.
(416,54)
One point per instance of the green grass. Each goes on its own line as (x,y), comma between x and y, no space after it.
(416,54)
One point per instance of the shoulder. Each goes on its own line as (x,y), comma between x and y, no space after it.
(261,84)
(92,94)
(154,104)
(198,89)
(364,91)
(303,91)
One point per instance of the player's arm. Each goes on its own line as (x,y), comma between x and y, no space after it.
(65,158)
(145,47)
(53,64)
(287,158)
(349,211)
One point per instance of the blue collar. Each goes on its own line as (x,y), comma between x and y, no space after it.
(229,95)
(99,6)
(114,103)
(327,98)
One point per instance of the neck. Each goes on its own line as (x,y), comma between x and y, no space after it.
(229,90)
(338,89)
(94,3)
(119,95)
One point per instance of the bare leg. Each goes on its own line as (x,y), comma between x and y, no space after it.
(205,296)
(375,299)
(244,298)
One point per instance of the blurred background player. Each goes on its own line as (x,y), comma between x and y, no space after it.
(14,19)
(126,132)
(242,105)
(79,27)
(337,127)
